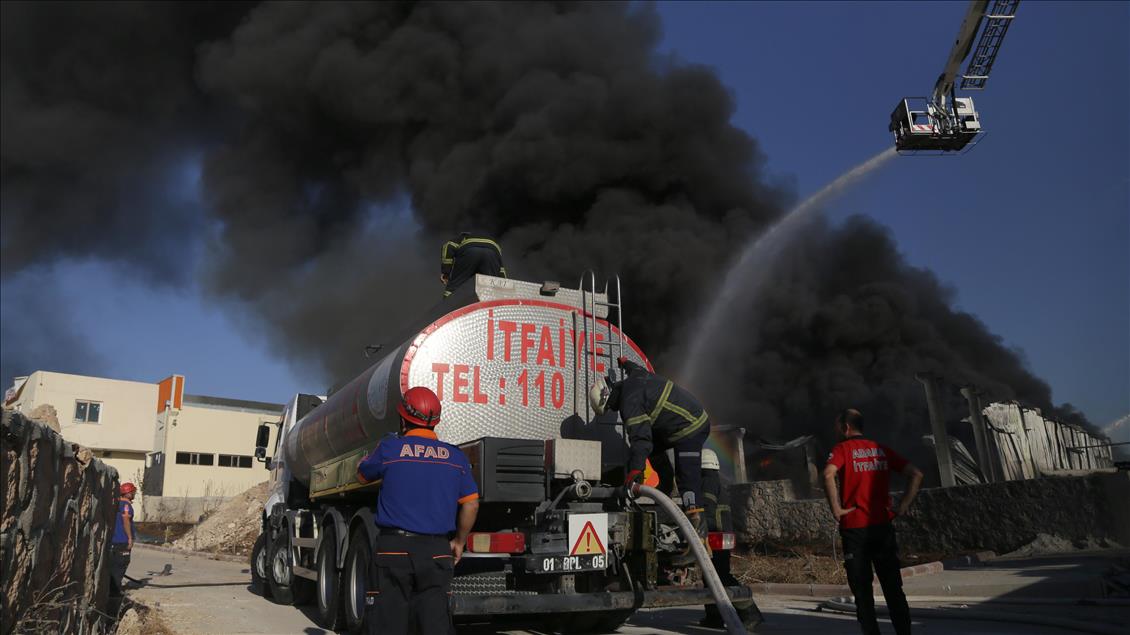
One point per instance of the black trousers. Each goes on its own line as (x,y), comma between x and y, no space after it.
(412,577)
(688,466)
(119,563)
(868,549)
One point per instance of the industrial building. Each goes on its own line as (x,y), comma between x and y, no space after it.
(186,452)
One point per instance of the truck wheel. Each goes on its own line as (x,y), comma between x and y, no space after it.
(328,592)
(259,567)
(355,580)
(279,573)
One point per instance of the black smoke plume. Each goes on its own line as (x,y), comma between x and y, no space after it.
(343,141)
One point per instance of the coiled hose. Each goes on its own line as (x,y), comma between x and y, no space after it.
(726,608)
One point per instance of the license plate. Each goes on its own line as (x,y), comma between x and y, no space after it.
(567,564)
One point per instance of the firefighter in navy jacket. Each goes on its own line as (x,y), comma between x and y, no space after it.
(660,415)
(461,259)
(427,506)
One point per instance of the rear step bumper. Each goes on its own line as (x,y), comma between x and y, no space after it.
(483,605)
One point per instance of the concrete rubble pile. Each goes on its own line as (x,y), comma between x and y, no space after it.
(57,519)
(232,528)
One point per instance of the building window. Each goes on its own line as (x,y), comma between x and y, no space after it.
(88,411)
(194,458)
(233,460)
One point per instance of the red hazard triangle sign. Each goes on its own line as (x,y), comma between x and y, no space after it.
(588,542)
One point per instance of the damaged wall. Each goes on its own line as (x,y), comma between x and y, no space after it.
(1000,517)
(55,528)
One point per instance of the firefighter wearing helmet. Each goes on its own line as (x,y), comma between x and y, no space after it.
(427,505)
(121,544)
(660,416)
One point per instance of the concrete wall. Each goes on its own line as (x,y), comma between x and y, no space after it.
(1001,517)
(181,509)
(56,519)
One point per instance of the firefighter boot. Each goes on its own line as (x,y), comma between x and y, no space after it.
(686,557)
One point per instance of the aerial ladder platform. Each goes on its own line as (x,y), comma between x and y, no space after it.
(944,122)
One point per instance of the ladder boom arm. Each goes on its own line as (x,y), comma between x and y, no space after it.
(965,37)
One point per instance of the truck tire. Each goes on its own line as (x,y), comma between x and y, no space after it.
(286,588)
(259,567)
(355,580)
(327,594)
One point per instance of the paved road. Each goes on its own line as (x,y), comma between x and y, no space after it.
(197,595)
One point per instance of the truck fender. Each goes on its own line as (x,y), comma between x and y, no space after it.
(335,519)
(363,517)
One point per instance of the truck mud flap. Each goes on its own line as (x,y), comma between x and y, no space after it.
(483,605)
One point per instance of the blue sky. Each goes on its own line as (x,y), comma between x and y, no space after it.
(1031,228)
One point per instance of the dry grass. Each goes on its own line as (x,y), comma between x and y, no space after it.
(794,566)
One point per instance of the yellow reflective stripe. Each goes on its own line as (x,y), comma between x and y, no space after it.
(446,293)
(502,270)
(444,256)
(695,425)
(481,241)
(724,508)
(638,419)
(710,496)
(662,400)
(679,410)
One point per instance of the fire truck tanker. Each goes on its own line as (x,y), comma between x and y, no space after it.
(555,542)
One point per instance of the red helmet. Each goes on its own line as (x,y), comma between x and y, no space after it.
(127,488)
(420,406)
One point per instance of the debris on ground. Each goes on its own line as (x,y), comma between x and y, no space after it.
(232,528)
(1045,544)
(792,566)
(139,619)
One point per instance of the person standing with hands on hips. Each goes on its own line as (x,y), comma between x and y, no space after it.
(863,509)
(426,508)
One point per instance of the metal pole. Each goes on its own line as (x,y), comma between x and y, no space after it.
(938,426)
(742,476)
(977,420)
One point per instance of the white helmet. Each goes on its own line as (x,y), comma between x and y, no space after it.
(710,460)
(598,395)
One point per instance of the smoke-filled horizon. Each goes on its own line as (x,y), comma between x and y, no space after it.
(342,142)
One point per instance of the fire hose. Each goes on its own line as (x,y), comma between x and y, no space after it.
(709,574)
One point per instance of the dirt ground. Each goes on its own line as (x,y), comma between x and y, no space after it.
(803,564)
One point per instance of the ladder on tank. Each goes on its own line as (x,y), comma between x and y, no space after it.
(614,337)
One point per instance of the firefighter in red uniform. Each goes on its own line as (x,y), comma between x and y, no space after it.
(426,508)
(863,509)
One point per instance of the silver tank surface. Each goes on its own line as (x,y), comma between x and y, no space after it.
(504,360)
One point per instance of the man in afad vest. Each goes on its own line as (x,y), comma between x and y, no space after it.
(426,507)
(862,505)
(121,544)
